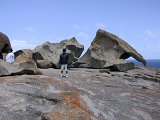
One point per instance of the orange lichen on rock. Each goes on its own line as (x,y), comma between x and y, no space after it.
(141,96)
(71,108)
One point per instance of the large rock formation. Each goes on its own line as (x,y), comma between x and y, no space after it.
(28,55)
(51,51)
(23,55)
(18,68)
(4,43)
(107,50)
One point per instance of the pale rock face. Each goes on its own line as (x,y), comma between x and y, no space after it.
(18,68)
(107,50)
(23,55)
(52,51)
(4,43)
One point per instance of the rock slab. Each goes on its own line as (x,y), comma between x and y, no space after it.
(122,67)
(86,94)
(4,43)
(51,51)
(20,68)
(107,49)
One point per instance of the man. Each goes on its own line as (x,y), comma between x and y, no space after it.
(10,57)
(64,58)
(1,55)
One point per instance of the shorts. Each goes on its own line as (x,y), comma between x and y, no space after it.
(64,67)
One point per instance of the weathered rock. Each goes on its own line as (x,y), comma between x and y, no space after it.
(52,51)
(37,56)
(41,98)
(122,67)
(4,43)
(19,68)
(79,64)
(85,95)
(43,64)
(23,55)
(76,63)
(108,49)
(104,71)
(73,46)
(28,55)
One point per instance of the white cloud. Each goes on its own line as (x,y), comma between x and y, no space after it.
(146,39)
(132,45)
(152,34)
(82,36)
(30,29)
(159,45)
(80,28)
(21,44)
(151,52)
(19,41)
(152,49)
(76,27)
(100,25)
(159,49)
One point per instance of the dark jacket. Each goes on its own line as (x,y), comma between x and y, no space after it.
(64,58)
(1,55)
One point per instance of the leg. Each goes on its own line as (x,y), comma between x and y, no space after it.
(62,68)
(66,69)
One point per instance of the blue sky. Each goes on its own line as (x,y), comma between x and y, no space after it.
(29,23)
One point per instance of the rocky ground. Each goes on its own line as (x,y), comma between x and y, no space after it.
(86,94)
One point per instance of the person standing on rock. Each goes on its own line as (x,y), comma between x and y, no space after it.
(10,57)
(64,58)
(1,55)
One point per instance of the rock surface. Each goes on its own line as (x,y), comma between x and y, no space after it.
(122,67)
(40,62)
(108,49)
(52,51)
(23,55)
(86,95)
(18,68)
(4,43)
(44,64)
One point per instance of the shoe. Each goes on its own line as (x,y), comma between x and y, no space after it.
(61,75)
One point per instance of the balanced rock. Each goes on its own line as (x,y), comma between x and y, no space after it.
(23,55)
(107,50)
(52,51)
(4,43)
(18,68)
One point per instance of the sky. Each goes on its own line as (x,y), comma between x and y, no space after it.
(29,23)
